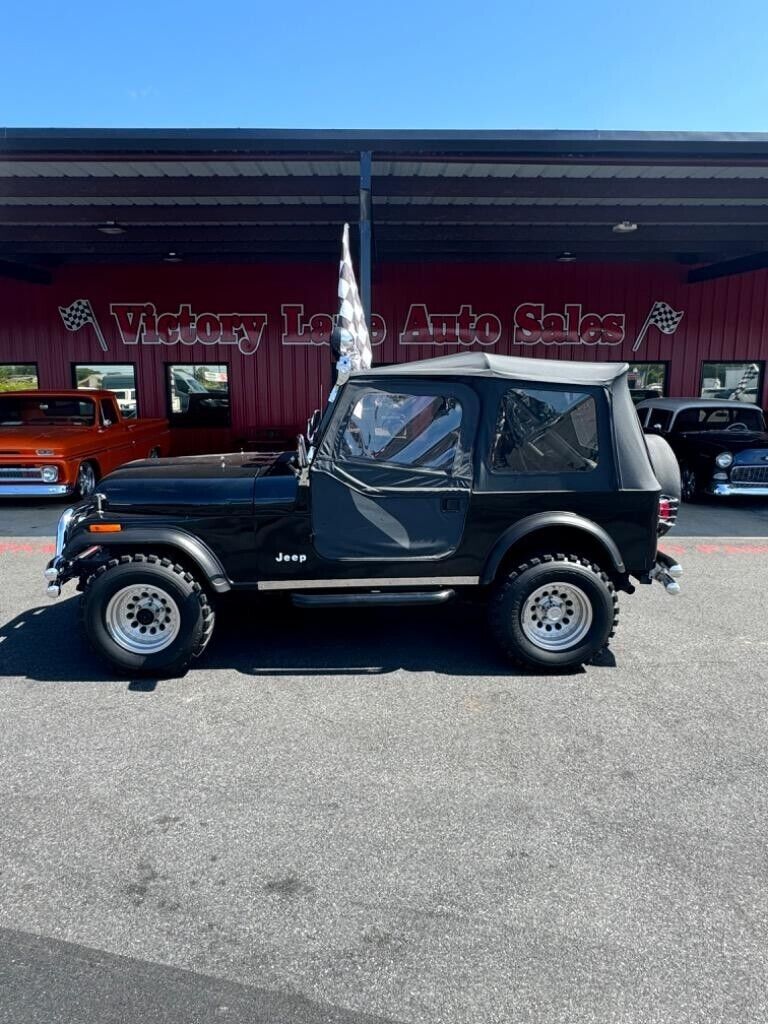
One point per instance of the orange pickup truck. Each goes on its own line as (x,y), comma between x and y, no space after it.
(55,443)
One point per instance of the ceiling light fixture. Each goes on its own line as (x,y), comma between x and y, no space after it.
(172,257)
(624,227)
(566,257)
(111,227)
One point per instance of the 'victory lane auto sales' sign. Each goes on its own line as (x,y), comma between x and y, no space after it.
(140,323)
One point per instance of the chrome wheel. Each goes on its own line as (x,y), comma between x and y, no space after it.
(86,480)
(142,619)
(556,616)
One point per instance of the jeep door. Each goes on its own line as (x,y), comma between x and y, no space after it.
(392,478)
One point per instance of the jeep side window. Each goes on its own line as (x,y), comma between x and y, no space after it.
(404,430)
(543,431)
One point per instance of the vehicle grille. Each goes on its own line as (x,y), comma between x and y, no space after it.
(749,475)
(8,475)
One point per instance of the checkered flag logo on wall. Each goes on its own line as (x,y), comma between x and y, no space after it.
(350,340)
(77,315)
(662,316)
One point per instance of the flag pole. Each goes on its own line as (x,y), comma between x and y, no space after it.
(99,335)
(643,329)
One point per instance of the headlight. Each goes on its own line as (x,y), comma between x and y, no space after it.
(50,474)
(724,459)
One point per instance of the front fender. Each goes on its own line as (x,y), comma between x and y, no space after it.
(546,520)
(164,537)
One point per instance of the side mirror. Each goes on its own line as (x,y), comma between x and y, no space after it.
(656,428)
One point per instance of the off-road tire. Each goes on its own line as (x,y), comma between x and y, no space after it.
(513,590)
(196,615)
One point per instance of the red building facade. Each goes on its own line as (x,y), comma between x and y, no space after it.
(256,335)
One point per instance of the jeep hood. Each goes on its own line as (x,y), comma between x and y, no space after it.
(236,465)
(194,484)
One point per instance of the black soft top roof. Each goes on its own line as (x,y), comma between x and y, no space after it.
(484,364)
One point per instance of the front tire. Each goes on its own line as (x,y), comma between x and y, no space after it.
(146,616)
(689,484)
(554,612)
(87,478)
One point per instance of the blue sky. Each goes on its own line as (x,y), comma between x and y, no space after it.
(648,65)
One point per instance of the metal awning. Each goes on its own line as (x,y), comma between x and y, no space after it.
(240,195)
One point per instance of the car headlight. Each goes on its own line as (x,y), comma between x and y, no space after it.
(50,474)
(724,459)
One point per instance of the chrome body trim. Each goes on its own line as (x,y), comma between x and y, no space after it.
(34,490)
(411,581)
(62,529)
(737,490)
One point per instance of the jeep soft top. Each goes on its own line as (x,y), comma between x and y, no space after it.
(523,483)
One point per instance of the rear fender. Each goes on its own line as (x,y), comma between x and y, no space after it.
(526,529)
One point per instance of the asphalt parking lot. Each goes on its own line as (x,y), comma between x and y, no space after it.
(373,819)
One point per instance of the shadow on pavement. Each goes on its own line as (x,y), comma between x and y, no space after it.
(271,639)
(53,982)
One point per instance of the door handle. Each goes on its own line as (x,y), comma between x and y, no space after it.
(450,505)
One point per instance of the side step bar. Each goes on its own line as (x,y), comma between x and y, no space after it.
(376,598)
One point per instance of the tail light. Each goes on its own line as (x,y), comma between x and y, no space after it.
(667,514)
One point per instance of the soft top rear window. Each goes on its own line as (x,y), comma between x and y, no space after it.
(540,430)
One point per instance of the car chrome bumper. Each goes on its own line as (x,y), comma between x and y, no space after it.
(738,491)
(34,490)
(53,571)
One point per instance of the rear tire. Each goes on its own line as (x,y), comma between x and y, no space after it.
(554,612)
(146,615)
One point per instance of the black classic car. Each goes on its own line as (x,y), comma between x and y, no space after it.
(722,446)
(524,483)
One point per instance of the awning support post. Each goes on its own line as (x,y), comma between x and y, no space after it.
(366,160)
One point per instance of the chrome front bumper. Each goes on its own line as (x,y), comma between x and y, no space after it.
(737,490)
(34,490)
(52,572)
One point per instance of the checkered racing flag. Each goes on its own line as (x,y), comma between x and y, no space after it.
(748,381)
(350,340)
(662,316)
(77,315)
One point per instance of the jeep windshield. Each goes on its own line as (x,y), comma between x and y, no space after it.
(706,418)
(43,410)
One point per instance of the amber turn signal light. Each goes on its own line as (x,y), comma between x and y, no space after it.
(104,528)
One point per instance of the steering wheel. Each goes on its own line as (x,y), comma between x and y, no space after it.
(737,425)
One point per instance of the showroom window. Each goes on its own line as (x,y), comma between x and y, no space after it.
(647,380)
(421,431)
(18,376)
(198,394)
(117,377)
(742,382)
(540,430)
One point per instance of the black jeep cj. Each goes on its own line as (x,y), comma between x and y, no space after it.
(526,483)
